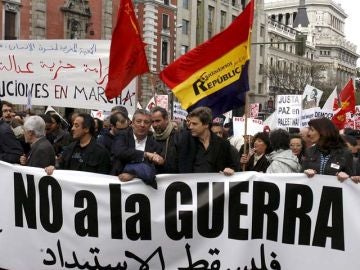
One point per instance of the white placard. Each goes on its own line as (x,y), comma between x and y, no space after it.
(288,111)
(63,73)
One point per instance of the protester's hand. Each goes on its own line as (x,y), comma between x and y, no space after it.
(126,177)
(49,170)
(244,158)
(157,159)
(355,179)
(23,160)
(310,172)
(228,171)
(342,176)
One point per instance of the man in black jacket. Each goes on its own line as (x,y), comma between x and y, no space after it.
(10,147)
(166,135)
(84,154)
(136,146)
(202,151)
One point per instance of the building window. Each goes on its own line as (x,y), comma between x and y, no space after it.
(166,2)
(243,4)
(165,53)
(261,69)
(262,30)
(211,14)
(185,4)
(165,21)
(184,49)
(262,49)
(260,88)
(233,17)
(223,20)
(185,27)
(211,11)
(10,25)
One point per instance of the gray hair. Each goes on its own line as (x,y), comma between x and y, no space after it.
(35,124)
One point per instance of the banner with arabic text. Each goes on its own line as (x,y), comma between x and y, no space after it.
(75,220)
(63,73)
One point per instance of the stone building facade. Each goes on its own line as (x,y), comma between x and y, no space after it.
(326,44)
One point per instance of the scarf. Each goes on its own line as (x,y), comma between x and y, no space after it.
(164,135)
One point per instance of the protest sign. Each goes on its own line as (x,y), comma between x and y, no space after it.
(63,73)
(76,220)
(253,126)
(288,111)
(311,97)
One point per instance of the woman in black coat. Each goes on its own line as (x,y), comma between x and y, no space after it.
(329,154)
(256,160)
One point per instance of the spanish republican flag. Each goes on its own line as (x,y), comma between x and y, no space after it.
(127,54)
(346,100)
(215,74)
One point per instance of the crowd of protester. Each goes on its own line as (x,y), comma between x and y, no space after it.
(150,143)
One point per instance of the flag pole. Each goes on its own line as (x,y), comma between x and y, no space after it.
(245,128)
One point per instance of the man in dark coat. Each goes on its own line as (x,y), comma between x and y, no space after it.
(136,146)
(166,135)
(10,147)
(84,154)
(42,153)
(202,151)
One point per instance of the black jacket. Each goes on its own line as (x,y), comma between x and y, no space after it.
(96,158)
(219,156)
(123,151)
(340,160)
(10,147)
(261,165)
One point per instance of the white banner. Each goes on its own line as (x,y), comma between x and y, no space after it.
(64,73)
(253,126)
(312,113)
(76,220)
(288,110)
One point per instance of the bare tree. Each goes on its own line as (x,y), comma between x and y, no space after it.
(291,78)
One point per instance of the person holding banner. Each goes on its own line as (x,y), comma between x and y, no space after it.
(202,151)
(329,154)
(258,161)
(84,154)
(135,152)
(282,159)
(166,135)
(42,153)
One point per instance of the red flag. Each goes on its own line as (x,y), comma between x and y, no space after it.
(346,100)
(127,54)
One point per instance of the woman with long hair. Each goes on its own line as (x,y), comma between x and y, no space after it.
(329,154)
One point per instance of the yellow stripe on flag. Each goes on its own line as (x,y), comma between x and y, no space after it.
(213,77)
